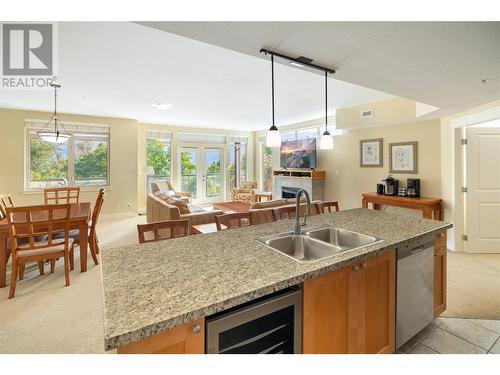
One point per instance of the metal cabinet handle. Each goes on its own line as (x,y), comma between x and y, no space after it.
(356,267)
(196,329)
(364,266)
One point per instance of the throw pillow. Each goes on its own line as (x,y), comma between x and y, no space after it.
(182,205)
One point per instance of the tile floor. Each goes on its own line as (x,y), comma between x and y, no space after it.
(456,336)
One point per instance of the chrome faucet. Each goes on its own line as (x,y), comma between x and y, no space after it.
(298,225)
(64,181)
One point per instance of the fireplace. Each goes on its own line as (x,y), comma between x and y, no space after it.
(289,192)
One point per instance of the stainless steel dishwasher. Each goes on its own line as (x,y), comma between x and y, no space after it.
(268,325)
(415,288)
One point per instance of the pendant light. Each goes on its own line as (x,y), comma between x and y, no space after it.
(273,138)
(326,142)
(54,136)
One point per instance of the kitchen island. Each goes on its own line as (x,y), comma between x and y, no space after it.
(157,288)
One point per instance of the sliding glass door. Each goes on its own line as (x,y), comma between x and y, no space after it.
(202,172)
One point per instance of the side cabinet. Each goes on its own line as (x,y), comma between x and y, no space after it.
(352,310)
(440,252)
(186,339)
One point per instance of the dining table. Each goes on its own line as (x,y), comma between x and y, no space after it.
(79,219)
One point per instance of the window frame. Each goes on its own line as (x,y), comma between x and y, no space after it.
(29,134)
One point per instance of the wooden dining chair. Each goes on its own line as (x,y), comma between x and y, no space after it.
(233,220)
(61,195)
(5,201)
(33,223)
(164,230)
(284,212)
(326,206)
(92,235)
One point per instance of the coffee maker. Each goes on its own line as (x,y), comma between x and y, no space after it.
(391,186)
(413,187)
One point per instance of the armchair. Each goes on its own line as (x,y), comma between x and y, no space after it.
(167,188)
(245,193)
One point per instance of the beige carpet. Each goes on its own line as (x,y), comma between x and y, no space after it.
(473,286)
(47,317)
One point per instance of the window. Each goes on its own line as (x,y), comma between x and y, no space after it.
(82,161)
(158,155)
(267,166)
(238,145)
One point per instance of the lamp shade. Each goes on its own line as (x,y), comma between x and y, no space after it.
(326,142)
(273,138)
(148,170)
(54,137)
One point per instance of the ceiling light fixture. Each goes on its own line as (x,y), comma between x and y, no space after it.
(273,138)
(326,142)
(162,106)
(54,136)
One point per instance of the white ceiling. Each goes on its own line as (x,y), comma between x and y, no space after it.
(436,63)
(119,69)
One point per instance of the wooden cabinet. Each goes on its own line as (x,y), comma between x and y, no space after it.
(186,339)
(352,310)
(440,251)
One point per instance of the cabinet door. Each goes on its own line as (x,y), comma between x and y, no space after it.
(186,339)
(374,290)
(440,274)
(326,313)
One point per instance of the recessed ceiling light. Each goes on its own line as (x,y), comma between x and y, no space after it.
(163,106)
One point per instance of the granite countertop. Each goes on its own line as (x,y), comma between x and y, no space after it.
(154,287)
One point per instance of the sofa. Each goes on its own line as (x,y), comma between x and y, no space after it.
(245,193)
(262,212)
(158,209)
(167,188)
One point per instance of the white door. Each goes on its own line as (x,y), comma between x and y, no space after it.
(483,190)
(201,170)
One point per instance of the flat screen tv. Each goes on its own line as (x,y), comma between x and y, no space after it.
(298,154)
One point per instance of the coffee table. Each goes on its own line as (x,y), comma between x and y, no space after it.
(235,206)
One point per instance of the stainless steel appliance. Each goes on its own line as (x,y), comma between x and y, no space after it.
(415,288)
(413,187)
(391,186)
(269,325)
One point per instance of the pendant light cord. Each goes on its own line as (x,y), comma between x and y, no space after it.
(326,101)
(272,84)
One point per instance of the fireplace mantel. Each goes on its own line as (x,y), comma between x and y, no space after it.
(311,181)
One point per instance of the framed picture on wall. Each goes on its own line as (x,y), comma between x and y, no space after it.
(371,152)
(403,157)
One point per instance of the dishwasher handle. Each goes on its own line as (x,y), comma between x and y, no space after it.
(417,250)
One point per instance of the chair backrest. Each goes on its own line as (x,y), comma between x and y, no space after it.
(34,221)
(233,220)
(326,206)
(5,201)
(163,230)
(282,213)
(97,210)
(61,195)
(161,185)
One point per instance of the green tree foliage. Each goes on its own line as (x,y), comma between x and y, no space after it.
(48,160)
(158,156)
(92,161)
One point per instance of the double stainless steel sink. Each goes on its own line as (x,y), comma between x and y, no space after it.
(317,243)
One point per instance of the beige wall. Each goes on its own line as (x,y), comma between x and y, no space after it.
(352,180)
(123,165)
(386,112)
(127,157)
